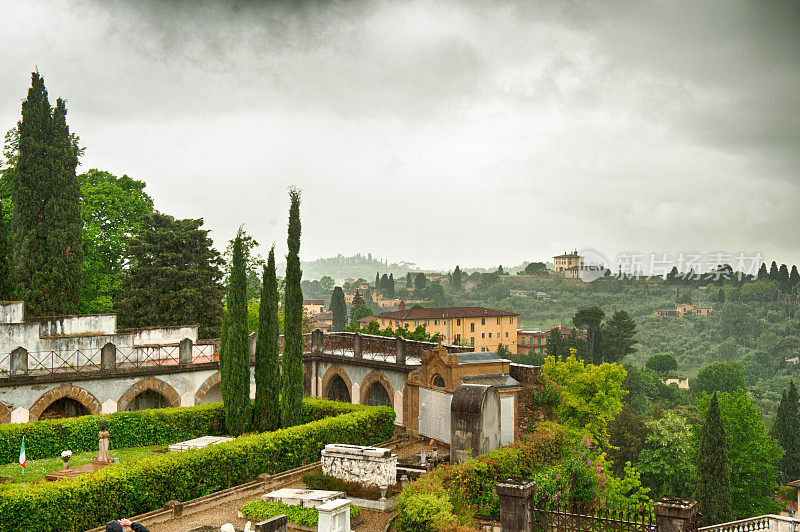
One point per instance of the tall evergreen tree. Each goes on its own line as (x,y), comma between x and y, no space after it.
(47,217)
(590,319)
(713,469)
(292,384)
(773,271)
(783,278)
(377,281)
(617,335)
(794,278)
(762,272)
(384,284)
(267,414)
(338,309)
(390,287)
(5,277)
(409,281)
(455,281)
(420,282)
(786,431)
(553,344)
(234,367)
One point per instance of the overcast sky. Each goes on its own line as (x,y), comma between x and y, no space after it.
(438,132)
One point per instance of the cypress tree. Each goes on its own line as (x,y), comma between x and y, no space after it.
(234,354)
(455,281)
(713,469)
(5,284)
(292,384)
(794,278)
(391,286)
(47,218)
(377,281)
(338,309)
(786,431)
(553,344)
(783,278)
(267,414)
(762,272)
(384,284)
(409,281)
(773,271)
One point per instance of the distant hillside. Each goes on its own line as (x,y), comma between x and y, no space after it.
(341,267)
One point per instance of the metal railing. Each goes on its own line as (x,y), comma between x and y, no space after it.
(773,523)
(549,516)
(77,361)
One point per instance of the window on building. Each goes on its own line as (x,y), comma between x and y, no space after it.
(472,340)
(438,381)
(483,321)
(472,327)
(511,320)
(490,335)
(483,335)
(483,349)
(436,322)
(444,322)
(458,338)
(498,321)
(506,335)
(425,323)
(458,321)
(416,322)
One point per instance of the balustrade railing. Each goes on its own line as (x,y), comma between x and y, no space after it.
(773,523)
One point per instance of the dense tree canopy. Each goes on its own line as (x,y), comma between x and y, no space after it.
(718,377)
(662,363)
(618,336)
(713,468)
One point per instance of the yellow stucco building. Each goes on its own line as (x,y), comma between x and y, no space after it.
(483,328)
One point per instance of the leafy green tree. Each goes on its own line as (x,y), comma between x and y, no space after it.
(713,469)
(358,302)
(553,344)
(737,321)
(456,283)
(112,209)
(718,377)
(590,319)
(360,313)
(420,282)
(536,268)
(786,431)
(665,459)
(409,281)
(234,367)
(292,384)
(174,277)
(685,297)
(626,435)
(266,414)
(662,363)
(618,336)
(326,283)
(591,395)
(752,455)
(46,199)
(338,309)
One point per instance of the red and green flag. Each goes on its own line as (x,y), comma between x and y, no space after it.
(23,458)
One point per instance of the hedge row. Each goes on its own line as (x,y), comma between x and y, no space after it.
(142,486)
(45,439)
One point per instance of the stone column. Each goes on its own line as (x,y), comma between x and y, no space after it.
(334,516)
(516,504)
(185,351)
(676,515)
(317,341)
(108,357)
(357,345)
(276,524)
(19,362)
(400,350)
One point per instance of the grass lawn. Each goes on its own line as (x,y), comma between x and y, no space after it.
(39,468)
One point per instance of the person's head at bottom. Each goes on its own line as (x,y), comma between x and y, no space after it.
(116,526)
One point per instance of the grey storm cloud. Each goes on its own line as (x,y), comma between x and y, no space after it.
(438,132)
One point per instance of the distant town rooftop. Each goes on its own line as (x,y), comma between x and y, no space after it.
(444,312)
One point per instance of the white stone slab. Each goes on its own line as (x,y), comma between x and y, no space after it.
(198,443)
(302,497)
(370,466)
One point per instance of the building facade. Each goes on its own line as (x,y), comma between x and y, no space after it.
(536,341)
(567,261)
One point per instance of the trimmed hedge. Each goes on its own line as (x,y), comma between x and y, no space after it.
(145,485)
(45,439)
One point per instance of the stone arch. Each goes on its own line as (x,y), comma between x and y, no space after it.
(373,377)
(65,390)
(5,413)
(149,383)
(333,371)
(204,388)
(437,381)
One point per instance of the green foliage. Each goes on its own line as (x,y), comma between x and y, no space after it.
(713,469)
(646,389)
(424,512)
(665,460)
(591,319)
(338,309)
(317,481)
(590,395)
(174,277)
(302,515)
(751,453)
(786,431)
(419,333)
(718,377)
(662,363)
(234,355)
(112,209)
(360,313)
(618,336)
(292,381)
(266,413)
(627,434)
(254,264)
(5,269)
(536,268)
(134,488)
(47,250)
(456,284)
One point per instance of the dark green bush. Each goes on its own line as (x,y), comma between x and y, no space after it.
(317,481)
(44,439)
(145,485)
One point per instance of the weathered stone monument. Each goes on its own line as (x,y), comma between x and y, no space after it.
(334,516)
(370,466)
(474,421)
(103,457)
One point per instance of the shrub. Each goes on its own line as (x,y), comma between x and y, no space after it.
(145,485)
(44,439)
(306,516)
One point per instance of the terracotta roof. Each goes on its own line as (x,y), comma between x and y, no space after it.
(367,319)
(313,301)
(794,483)
(446,312)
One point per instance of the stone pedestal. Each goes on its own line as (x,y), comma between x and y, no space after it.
(102,455)
(276,524)
(516,504)
(334,516)
(370,466)
(676,515)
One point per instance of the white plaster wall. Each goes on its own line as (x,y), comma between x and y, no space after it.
(94,324)
(166,335)
(11,312)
